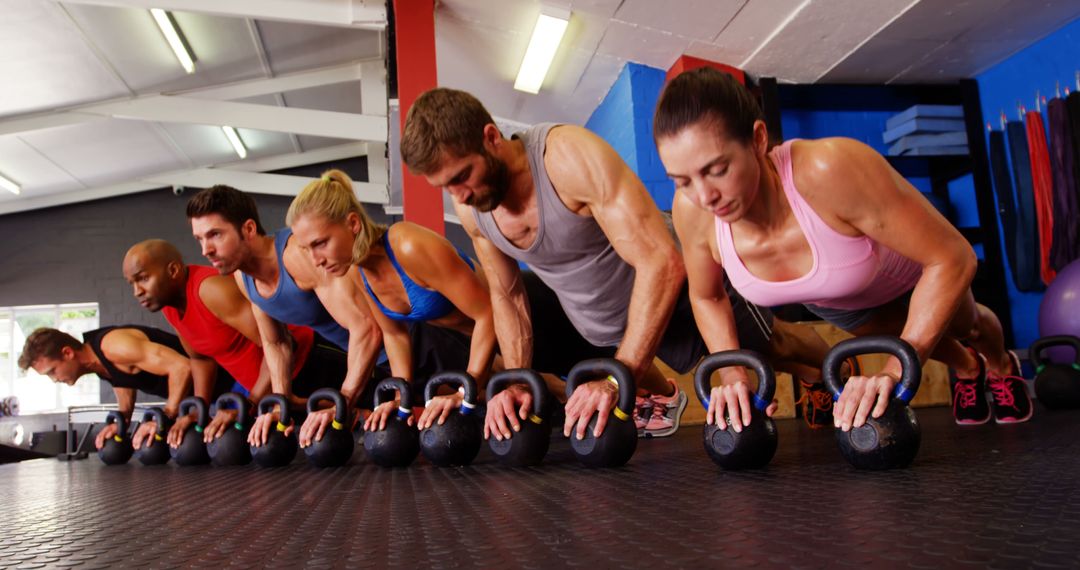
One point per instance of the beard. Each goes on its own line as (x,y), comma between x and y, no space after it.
(497,182)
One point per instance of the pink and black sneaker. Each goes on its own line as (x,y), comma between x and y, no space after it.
(1011,403)
(969,396)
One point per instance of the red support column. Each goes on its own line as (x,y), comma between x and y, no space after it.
(414,23)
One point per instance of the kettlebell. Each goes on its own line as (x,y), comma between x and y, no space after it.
(157,451)
(232,447)
(755,446)
(117,449)
(1057,385)
(457,440)
(398,444)
(192,450)
(336,446)
(616,445)
(279,450)
(530,445)
(892,440)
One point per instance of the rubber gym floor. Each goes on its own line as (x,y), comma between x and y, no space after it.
(986,496)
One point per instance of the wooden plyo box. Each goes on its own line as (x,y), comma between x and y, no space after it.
(933,391)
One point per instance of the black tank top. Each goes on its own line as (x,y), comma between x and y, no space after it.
(145,381)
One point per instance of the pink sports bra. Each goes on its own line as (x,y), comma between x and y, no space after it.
(847,273)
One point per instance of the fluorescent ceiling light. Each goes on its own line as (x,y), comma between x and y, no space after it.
(549,30)
(176,40)
(237,144)
(10,186)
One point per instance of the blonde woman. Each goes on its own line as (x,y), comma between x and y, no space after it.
(411,275)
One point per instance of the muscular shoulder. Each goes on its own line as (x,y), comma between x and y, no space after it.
(300,268)
(221,294)
(830,163)
(123,345)
(416,246)
(580,164)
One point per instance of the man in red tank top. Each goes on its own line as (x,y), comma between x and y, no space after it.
(216,327)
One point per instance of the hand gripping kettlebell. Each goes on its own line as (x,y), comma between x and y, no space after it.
(1057,385)
(192,450)
(279,450)
(617,443)
(755,445)
(117,449)
(457,440)
(157,451)
(232,447)
(336,446)
(530,445)
(892,440)
(398,444)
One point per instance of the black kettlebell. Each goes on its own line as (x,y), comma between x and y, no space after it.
(279,450)
(616,445)
(755,446)
(192,450)
(157,451)
(117,449)
(530,445)
(1057,385)
(336,446)
(232,447)
(457,440)
(398,444)
(892,440)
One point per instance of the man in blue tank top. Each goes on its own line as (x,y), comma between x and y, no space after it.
(561,200)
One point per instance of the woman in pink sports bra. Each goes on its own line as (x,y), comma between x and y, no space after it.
(829,224)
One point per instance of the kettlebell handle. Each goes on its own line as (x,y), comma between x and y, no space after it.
(1037,348)
(766,377)
(463,379)
(157,415)
(335,397)
(501,380)
(594,368)
(400,386)
(121,424)
(199,405)
(910,376)
(238,402)
(266,405)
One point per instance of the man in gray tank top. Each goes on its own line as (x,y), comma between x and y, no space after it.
(559,199)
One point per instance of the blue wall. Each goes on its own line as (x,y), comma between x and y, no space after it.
(1055,58)
(624,120)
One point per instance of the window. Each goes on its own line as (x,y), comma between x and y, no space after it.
(38,393)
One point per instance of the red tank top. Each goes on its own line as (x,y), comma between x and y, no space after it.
(210,336)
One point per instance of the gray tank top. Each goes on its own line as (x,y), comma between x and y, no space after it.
(571,255)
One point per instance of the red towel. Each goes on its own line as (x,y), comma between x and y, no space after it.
(1043,178)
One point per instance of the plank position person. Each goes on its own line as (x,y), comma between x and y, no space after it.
(131,358)
(830,224)
(559,199)
(285,289)
(215,324)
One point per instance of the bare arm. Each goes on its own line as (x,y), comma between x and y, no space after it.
(203,372)
(273,336)
(347,304)
(877,202)
(395,337)
(511,318)
(125,401)
(434,263)
(131,347)
(586,170)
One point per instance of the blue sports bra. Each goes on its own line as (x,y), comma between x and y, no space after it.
(425,304)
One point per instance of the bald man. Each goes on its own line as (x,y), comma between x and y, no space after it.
(215,324)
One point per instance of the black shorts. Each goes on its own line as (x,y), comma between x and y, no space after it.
(325,367)
(434,349)
(557,345)
(851,319)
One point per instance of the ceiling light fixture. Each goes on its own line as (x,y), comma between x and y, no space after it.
(10,186)
(175,37)
(549,30)
(234,139)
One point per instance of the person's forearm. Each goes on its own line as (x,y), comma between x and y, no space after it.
(278,359)
(180,380)
(363,351)
(482,347)
(934,301)
(399,352)
(125,403)
(513,326)
(204,375)
(656,288)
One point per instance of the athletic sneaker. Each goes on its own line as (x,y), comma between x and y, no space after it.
(1011,402)
(969,396)
(816,403)
(666,413)
(643,408)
